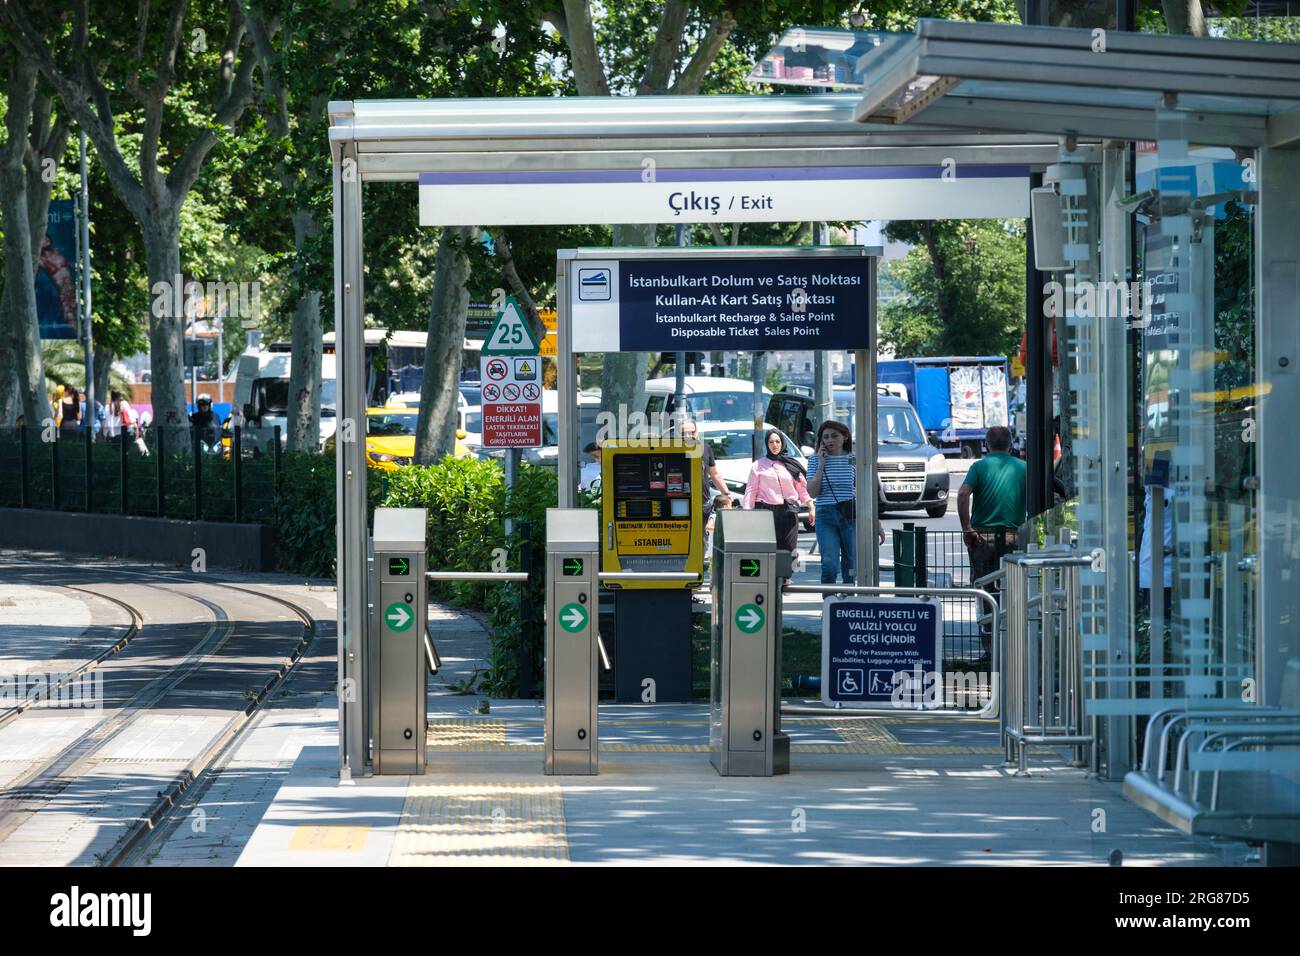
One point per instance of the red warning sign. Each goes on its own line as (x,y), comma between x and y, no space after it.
(512,410)
(512,426)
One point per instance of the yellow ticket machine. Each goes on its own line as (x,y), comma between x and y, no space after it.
(652,519)
(652,509)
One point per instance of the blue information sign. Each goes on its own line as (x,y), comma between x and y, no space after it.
(750,304)
(883,651)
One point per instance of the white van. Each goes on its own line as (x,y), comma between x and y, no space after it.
(708,400)
(262,387)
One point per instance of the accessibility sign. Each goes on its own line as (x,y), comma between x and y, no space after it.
(573,618)
(885,651)
(749,618)
(398,616)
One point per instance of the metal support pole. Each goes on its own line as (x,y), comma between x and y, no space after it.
(1039,495)
(87,312)
(1277,369)
(351,531)
(824,407)
(679,365)
(864,444)
(567,383)
(1118,730)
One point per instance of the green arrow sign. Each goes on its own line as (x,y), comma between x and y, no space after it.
(572,567)
(398,616)
(749,618)
(399,566)
(749,568)
(573,618)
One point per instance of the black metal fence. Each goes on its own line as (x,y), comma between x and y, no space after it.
(926,558)
(166,472)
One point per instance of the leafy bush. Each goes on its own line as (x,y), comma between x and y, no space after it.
(465,499)
(304,515)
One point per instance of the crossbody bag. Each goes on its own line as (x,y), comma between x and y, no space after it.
(848,509)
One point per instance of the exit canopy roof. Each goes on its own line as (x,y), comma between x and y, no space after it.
(396,140)
(1063,81)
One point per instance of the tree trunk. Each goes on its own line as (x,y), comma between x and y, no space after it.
(1184,17)
(104,357)
(435,431)
(622,377)
(19,324)
(305,375)
(23,337)
(166,328)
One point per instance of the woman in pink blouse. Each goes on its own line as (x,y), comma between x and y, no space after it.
(778,483)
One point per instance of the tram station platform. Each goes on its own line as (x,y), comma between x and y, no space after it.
(860,791)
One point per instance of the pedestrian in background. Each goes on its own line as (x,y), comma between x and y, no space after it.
(997,483)
(778,484)
(70,420)
(834,485)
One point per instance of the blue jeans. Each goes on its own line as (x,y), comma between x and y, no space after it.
(836,542)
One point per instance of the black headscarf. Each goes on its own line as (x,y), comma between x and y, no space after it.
(796,470)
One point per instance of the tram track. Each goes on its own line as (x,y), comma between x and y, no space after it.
(35,789)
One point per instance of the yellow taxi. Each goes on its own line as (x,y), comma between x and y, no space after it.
(390,437)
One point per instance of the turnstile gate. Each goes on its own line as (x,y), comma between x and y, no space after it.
(572,643)
(399,612)
(745,736)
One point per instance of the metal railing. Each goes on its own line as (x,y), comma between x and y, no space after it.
(1250,741)
(924,557)
(990,709)
(1044,657)
(166,472)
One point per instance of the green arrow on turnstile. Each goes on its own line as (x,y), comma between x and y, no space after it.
(749,568)
(399,566)
(572,618)
(572,567)
(749,618)
(398,616)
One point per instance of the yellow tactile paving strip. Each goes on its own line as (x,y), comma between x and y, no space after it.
(860,736)
(499,824)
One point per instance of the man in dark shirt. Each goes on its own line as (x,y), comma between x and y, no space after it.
(710,480)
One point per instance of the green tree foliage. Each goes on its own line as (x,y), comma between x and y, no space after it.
(963,288)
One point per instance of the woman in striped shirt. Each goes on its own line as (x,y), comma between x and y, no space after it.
(832,482)
(776,483)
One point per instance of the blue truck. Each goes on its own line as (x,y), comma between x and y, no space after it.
(957,397)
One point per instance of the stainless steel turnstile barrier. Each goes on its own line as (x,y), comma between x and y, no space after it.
(399,655)
(745,737)
(991,708)
(574,650)
(1044,657)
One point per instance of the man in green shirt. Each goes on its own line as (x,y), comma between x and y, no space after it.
(998,483)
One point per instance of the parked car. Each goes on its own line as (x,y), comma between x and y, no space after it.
(733,446)
(912,474)
(390,437)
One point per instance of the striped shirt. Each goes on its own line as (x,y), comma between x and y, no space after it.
(840,476)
